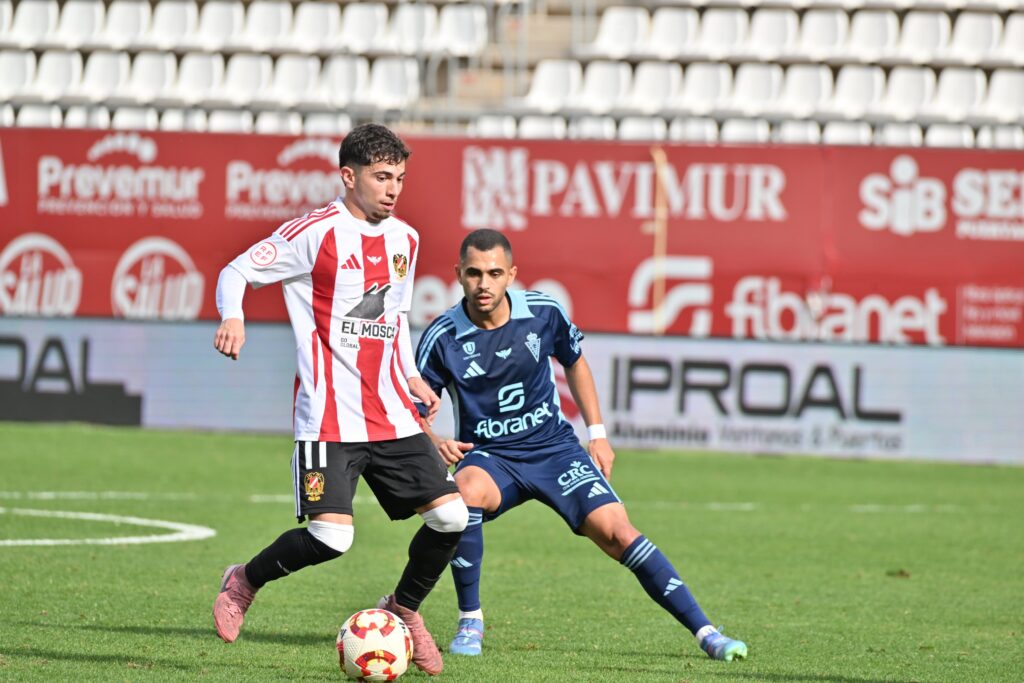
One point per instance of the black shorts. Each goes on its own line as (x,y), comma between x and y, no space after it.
(403,474)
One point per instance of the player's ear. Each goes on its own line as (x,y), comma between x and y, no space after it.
(348,177)
(458,272)
(512,273)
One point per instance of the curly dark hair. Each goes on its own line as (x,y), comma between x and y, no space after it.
(485,239)
(371,143)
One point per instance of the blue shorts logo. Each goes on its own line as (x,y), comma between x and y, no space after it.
(578,474)
(511,397)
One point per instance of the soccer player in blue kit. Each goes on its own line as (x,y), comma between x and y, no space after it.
(492,351)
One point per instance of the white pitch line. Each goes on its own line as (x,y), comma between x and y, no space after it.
(182,532)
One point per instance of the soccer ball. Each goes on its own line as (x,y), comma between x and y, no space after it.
(374,645)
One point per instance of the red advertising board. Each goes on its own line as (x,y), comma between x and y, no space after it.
(790,243)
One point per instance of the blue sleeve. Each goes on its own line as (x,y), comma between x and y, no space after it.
(567,337)
(430,359)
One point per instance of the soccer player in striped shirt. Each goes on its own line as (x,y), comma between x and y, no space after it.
(347,272)
(492,352)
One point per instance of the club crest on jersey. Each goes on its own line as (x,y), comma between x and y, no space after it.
(314,483)
(400,262)
(533,343)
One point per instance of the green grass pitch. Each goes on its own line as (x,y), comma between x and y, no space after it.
(831,571)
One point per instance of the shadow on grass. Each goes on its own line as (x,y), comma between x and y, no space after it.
(210,634)
(65,656)
(800,678)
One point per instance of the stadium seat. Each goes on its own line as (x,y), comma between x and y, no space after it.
(58,72)
(183,119)
(1005,100)
(798,133)
(152,74)
(411,30)
(462,30)
(85,116)
(805,88)
(555,83)
(907,91)
(672,28)
(17,72)
(949,135)
(592,128)
(773,32)
(493,126)
(80,22)
(219,22)
(622,29)
(538,127)
(326,123)
(1000,137)
(959,92)
(229,121)
(127,22)
(704,86)
(199,75)
(745,131)
(975,36)
(363,26)
(899,135)
(1010,50)
(822,32)
(605,84)
(655,84)
(278,123)
(33,20)
(295,83)
(846,133)
(105,74)
(39,116)
(268,23)
(640,128)
(394,84)
(6,115)
(135,118)
(246,76)
(924,33)
(173,22)
(723,30)
(693,130)
(6,18)
(873,34)
(315,27)
(757,86)
(343,76)
(858,89)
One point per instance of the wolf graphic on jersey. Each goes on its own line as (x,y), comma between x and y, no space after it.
(504,391)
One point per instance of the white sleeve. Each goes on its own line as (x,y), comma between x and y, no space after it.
(276,258)
(230,291)
(405,353)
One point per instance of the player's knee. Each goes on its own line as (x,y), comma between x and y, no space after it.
(337,537)
(447,518)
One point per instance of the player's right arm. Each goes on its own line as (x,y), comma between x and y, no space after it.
(433,370)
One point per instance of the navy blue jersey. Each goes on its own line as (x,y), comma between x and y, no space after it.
(501,381)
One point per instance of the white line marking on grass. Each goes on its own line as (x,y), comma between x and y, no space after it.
(182,532)
(909,509)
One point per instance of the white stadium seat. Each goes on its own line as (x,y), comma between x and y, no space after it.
(152,74)
(858,89)
(798,133)
(621,31)
(268,24)
(873,34)
(315,27)
(605,84)
(135,118)
(539,127)
(723,31)
(219,22)
(493,126)
(823,31)
(17,72)
(326,123)
(33,20)
(106,73)
(363,26)
(949,135)
(555,83)
(908,90)
(342,77)
(58,72)
(1010,50)
(462,30)
(6,18)
(174,21)
(693,130)
(127,22)
(805,87)
(295,83)
(639,128)
(924,33)
(246,76)
(278,123)
(672,29)
(84,116)
(655,85)
(394,84)
(6,115)
(773,32)
(959,92)
(1005,100)
(899,135)
(757,86)
(1001,137)
(846,133)
(745,131)
(80,22)
(975,36)
(229,121)
(39,116)
(199,75)
(183,119)
(592,128)
(704,86)
(412,30)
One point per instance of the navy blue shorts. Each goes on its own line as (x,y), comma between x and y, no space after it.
(562,476)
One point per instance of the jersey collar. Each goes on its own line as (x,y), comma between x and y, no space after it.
(464,326)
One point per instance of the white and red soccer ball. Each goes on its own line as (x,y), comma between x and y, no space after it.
(374,645)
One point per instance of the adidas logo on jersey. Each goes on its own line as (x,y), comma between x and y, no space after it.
(352,263)
(504,353)
(474,370)
(672,584)
(597,490)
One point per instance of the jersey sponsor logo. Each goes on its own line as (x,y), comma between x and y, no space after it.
(578,474)
(351,263)
(156,279)
(38,277)
(314,484)
(366,329)
(474,370)
(400,262)
(511,397)
(533,344)
(469,348)
(375,260)
(504,353)
(371,307)
(495,429)
(263,254)
(663,311)
(575,337)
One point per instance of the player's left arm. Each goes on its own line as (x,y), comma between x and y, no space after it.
(584,392)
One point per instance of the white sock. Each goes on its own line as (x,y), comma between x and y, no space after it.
(475,614)
(704,632)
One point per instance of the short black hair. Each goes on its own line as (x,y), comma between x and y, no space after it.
(369,144)
(484,239)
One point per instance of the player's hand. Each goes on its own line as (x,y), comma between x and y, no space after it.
(230,337)
(602,453)
(423,392)
(453,451)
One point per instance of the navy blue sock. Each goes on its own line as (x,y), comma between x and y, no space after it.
(469,555)
(661,581)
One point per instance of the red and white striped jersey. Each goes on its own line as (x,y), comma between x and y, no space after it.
(348,285)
